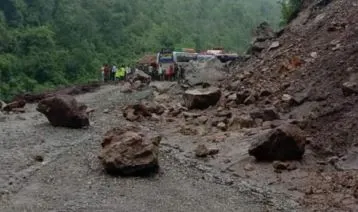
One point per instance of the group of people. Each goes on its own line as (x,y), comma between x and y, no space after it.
(161,72)
(168,72)
(113,73)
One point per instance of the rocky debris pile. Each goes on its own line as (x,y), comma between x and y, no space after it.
(286,142)
(73,90)
(262,39)
(129,151)
(201,98)
(15,106)
(64,111)
(144,109)
(311,62)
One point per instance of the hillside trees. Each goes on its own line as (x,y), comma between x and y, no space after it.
(46,43)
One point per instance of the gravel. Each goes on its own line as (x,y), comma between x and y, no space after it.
(70,177)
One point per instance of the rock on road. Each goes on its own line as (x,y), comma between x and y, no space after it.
(71,178)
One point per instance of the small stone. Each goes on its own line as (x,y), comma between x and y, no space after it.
(274,45)
(267,114)
(232,97)
(191,115)
(226,114)
(202,151)
(265,93)
(288,99)
(39,158)
(203,119)
(314,55)
(229,182)
(333,160)
(222,126)
(349,88)
(20,118)
(155,117)
(18,110)
(250,100)
(249,167)
(219,139)
(106,111)
(246,121)
(90,110)
(279,165)
(226,161)
(188,130)
(3,118)
(242,96)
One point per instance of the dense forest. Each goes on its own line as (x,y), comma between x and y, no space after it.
(46,43)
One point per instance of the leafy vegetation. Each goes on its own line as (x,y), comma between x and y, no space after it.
(46,43)
(289,10)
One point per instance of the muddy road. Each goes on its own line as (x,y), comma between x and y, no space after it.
(70,177)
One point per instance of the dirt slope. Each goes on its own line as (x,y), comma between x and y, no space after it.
(317,55)
(324,40)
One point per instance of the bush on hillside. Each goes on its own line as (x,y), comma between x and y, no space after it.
(289,10)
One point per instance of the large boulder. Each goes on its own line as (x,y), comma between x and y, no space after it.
(209,72)
(286,142)
(141,76)
(64,111)
(127,151)
(16,104)
(201,98)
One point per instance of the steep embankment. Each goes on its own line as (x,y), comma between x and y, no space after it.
(310,73)
(316,57)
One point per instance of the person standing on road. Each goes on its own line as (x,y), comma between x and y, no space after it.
(107,72)
(102,73)
(123,72)
(128,72)
(150,70)
(117,75)
(160,72)
(113,72)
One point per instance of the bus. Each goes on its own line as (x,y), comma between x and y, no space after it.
(165,56)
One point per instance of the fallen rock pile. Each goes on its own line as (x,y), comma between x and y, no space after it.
(15,106)
(144,109)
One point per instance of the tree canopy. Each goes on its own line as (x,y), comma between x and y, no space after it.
(46,43)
